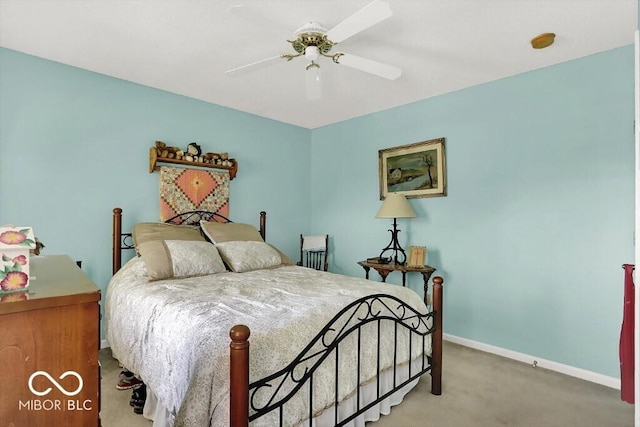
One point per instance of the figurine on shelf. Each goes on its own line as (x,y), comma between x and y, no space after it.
(194,149)
(162,153)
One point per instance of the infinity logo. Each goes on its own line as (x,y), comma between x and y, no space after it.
(55,383)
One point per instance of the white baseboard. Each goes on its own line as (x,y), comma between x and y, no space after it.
(542,363)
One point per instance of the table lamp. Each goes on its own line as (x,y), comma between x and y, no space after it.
(395,206)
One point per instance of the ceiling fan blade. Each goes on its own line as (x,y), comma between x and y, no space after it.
(371,14)
(369,66)
(314,87)
(253,66)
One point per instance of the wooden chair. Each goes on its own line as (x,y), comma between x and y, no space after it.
(314,251)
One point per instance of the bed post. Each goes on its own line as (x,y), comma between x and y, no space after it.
(116,252)
(436,343)
(263,225)
(239,376)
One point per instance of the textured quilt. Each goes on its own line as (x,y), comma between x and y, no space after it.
(175,334)
(184,190)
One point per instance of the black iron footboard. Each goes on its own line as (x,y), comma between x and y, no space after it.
(252,401)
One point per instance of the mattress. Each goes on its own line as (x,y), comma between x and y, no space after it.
(175,335)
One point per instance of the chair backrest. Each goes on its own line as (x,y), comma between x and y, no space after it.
(314,251)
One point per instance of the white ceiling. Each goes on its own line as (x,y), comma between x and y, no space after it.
(185,46)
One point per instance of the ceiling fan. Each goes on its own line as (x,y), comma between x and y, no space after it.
(314,41)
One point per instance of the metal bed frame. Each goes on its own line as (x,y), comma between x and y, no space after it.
(323,347)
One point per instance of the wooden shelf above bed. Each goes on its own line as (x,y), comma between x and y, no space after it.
(209,161)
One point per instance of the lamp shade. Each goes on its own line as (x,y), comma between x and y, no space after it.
(395,206)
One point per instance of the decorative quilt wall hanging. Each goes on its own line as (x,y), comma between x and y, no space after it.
(183,190)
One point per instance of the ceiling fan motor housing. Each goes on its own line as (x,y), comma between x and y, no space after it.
(311,34)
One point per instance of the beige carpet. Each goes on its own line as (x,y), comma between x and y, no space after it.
(479,390)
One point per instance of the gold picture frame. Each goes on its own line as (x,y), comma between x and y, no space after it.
(414,170)
(417,256)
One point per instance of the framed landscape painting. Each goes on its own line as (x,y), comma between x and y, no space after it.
(414,170)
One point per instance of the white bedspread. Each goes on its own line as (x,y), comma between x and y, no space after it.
(175,333)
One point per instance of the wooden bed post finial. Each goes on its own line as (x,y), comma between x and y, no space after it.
(239,376)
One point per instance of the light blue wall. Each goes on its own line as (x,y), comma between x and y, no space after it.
(530,239)
(75,144)
(539,214)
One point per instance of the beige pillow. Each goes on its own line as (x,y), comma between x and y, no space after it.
(148,231)
(166,259)
(248,255)
(219,232)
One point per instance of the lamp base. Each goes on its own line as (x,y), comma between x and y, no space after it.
(379,260)
(394,246)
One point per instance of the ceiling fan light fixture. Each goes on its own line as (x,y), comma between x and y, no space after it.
(312,77)
(543,40)
(312,53)
(311,65)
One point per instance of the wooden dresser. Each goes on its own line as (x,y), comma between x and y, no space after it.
(49,343)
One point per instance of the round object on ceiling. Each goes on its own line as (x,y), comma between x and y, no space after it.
(543,40)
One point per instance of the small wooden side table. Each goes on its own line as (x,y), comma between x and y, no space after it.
(385,269)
